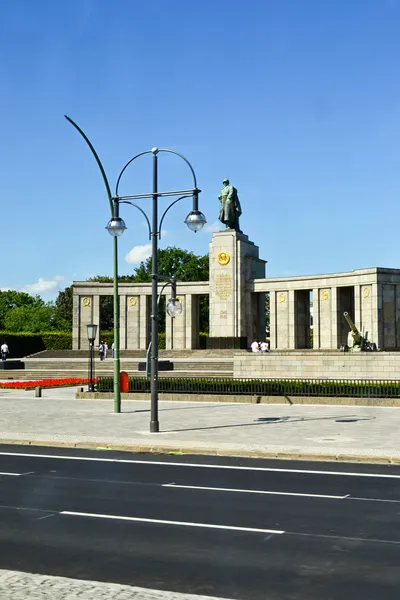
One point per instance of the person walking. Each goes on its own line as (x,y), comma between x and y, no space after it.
(105,350)
(101,351)
(113,350)
(4,351)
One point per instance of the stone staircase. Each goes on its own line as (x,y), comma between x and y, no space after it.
(75,363)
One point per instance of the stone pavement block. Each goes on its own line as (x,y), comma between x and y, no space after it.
(299,430)
(21,586)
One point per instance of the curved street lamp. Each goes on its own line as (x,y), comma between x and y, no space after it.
(195,220)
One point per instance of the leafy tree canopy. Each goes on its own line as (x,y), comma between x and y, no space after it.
(11,299)
(35,318)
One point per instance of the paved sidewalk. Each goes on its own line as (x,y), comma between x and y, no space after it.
(306,431)
(26,586)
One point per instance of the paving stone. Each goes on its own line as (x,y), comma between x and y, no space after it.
(22,586)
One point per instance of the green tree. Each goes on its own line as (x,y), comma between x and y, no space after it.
(35,319)
(64,305)
(11,299)
(175,262)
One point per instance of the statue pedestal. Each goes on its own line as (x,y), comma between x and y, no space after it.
(236,315)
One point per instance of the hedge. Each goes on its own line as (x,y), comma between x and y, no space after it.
(25,343)
(263,387)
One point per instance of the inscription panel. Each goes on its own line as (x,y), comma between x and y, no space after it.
(223,285)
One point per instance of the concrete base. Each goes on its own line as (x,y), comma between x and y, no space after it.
(10,365)
(246,399)
(317,365)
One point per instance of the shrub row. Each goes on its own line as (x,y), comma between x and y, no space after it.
(24,343)
(263,387)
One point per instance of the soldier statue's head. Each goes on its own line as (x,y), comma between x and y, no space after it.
(226,181)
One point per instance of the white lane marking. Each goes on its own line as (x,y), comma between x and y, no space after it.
(15,474)
(165,522)
(215,489)
(201,465)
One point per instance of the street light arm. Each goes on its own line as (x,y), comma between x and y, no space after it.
(161,291)
(96,156)
(127,165)
(165,212)
(183,158)
(141,210)
(148,152)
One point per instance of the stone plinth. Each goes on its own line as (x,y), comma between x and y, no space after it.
(234,261)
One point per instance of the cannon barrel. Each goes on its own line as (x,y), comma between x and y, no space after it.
(350,323)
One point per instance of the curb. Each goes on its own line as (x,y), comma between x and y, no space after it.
(161,449)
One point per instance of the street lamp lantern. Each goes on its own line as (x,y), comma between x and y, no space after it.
(116,226)
(91,332)
(195,220)
(174,307)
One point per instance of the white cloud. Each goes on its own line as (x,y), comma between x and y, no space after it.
(138,254)
(41,286)
(212,227)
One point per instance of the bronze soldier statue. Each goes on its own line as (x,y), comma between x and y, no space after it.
(230,207)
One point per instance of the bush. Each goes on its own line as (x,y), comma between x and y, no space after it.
(25,343)
(262,387)
(162,337)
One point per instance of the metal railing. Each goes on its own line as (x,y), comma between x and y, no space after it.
(356,388)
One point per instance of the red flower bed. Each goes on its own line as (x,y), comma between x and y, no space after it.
(45,383)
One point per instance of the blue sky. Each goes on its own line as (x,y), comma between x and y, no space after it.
(296,101)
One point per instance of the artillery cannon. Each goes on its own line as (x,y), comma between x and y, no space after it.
(355,341)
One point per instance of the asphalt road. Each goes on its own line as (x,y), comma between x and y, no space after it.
(234,528)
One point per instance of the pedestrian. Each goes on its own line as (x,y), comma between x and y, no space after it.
(264,347)
(4,351)
(101,351)
(105,349)
(112,349)
(255,346)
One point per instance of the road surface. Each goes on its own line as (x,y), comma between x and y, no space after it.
(225,527)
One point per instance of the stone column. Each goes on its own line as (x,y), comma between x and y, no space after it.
(282,320)
(272,321)
(122,321)
(132,322)
(335,342)
(144,321)
(86,317)
(325,317)
(366,323)
(76,322)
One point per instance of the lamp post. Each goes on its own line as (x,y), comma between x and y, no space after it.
(118,227)
(195,220)
(91,333)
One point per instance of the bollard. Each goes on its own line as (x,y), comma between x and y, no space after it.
(38,392)
(124,381)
